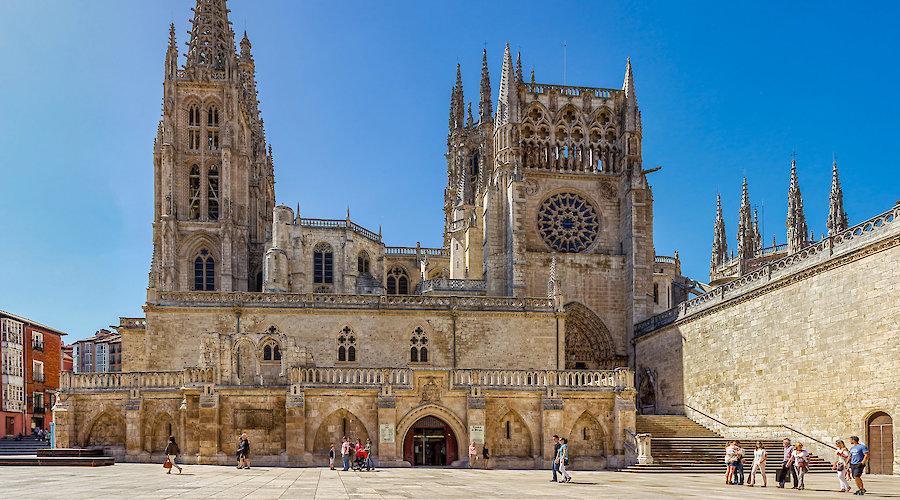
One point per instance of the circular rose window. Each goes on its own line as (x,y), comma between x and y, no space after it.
(568,223)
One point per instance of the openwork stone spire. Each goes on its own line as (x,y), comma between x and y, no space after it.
(720,241)
(457,103)
(508,99)
(837,217)
(485,106)
(746,235)
(211,47)
(797,231)
(519,67)
(171,55)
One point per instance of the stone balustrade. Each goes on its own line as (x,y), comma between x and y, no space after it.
(370,377)
(341,224)
(136,380)
(341,301)
(879,228)
(447,285)
(620,378)
(545,88)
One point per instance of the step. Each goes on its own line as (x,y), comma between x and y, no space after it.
(34,460)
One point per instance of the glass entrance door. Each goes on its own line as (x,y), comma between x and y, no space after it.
(429,447)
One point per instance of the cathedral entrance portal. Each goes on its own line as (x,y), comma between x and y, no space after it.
(430,442)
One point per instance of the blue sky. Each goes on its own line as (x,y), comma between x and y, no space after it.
(355,99)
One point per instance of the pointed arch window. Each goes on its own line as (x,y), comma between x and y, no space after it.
(271,351)
(398,282)
(418,346)
(194,188)
(194,127)
(204,272)
(347,345)
(212,192)
(323,264)
(212,128)
(362,263)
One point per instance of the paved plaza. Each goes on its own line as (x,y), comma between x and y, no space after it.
(136,481)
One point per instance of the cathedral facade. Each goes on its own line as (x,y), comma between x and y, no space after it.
(300,330)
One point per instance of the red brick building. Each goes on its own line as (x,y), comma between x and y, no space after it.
(31,355)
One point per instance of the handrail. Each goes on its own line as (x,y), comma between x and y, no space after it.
(340,224)
(749,426)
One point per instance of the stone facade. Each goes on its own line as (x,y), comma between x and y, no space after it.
(805,346)
(301,330)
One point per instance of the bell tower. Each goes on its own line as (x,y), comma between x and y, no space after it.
(214,186)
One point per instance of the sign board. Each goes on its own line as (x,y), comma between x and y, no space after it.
(386,433)
(476,433)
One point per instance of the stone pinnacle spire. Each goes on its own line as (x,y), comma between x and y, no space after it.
(519,66)
(746,236)
(797,230)
(211,46)
(720,240)
(470,122)
(837,217)
(628,85)
(457,102)
(757,237)
(485,106)
(245,47)
(508,98)
(171,54)
(632,112)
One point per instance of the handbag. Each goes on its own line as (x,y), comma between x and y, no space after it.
(167,464)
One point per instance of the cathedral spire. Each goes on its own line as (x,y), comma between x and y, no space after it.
(632,112)
(797,231)
(485,106)
(171,55)
(746,236)
(245,48)
(837,217)
(720,240)
(757,237)
(211,46)
(457,103)
(628,85)
(470,121)
(519,66)
(508,99)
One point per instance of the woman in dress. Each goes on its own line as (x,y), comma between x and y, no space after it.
(759,464)
(840,467)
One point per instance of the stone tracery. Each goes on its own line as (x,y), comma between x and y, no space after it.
(568,223)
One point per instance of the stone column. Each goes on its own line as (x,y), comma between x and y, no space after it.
(552,420)
(208,425)
(389,446)
(475,424)
(133,441)
(295,425)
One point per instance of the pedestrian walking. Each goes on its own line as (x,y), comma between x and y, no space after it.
(243,452)
(841,465)
(563,460)
(730,458)
(345,453)
(801,463)
(370,462)
(172,453)
(759,464)
(787,465)
(485,455)
(556,446)
(738,464)
(473,454)
(331,457)
(859,457)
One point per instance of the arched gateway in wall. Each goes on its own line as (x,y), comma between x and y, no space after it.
(430,442)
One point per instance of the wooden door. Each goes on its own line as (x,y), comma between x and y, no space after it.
(881,444)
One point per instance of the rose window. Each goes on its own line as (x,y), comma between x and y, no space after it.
(568,223)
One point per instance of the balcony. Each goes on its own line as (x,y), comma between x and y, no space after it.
(39,346)
(38,410)
(37,377)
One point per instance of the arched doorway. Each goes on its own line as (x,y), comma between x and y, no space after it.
(880,430)
(430,442)
(589,345)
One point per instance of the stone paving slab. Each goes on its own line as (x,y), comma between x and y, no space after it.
(140,481)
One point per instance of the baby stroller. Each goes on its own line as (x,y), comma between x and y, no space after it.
(359,462)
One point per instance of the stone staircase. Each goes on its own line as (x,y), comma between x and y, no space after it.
(25,446)
(679,444)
